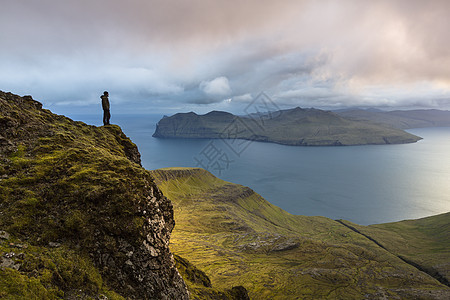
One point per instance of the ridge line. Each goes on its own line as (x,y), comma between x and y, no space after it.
(433,273)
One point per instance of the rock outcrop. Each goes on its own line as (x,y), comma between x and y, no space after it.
(90,219)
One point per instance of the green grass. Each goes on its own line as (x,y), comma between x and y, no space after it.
(425,242)
(48,273)
(199,284)
(80,187)
(233,235)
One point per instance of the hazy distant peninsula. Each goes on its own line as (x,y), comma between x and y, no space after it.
(299,127)
(403,119)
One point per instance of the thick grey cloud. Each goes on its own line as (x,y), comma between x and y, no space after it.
(181,54)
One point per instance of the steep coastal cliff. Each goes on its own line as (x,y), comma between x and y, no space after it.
(79,216)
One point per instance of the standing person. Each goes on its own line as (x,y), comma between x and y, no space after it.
(105,105)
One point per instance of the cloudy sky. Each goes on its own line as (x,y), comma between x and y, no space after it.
(200,55)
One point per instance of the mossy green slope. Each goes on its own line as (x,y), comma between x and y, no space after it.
(238,238)
(424,242)
(200,287)
(42,272)
(88,218)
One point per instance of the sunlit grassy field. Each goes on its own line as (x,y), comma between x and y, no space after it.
(238,238)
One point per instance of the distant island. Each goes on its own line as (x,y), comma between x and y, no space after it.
(297,127)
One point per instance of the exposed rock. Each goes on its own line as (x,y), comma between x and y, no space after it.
(288,245)
(80,190)
(6,262)
(54,244)
(20,246)
(4,235)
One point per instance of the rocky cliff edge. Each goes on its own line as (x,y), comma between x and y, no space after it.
(79,216)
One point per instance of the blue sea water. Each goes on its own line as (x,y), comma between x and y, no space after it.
(363,184)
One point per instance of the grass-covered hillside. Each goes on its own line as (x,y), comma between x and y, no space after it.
(79,217)
(424,243)
(298,127)
(238,238)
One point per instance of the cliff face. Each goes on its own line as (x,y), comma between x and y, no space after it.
(79,216)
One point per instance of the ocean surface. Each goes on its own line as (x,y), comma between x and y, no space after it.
(362,184)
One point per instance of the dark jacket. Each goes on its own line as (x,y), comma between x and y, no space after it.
(105,102)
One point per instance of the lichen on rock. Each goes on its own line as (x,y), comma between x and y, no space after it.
(82,187)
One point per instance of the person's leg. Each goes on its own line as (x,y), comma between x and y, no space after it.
(108,116)
(105,117)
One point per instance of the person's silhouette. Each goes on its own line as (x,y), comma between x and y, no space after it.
(105,105)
